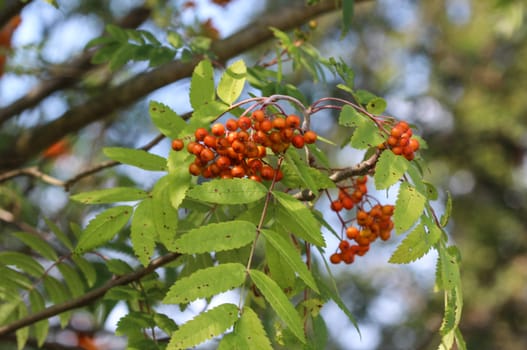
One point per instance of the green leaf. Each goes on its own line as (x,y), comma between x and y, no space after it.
(133,322)
(205,114)
(22,261)
(110,195)
(216,237)
(376,105)
(58,294)
(448,210)
(143,232)
(38,245)
(366,133)
(164,215)
(389,169)
(302,170)
(298,219)
(249,334)
(279,270)
(333,294)
(165,323)
(72,278)
(88,270)
(40,328)
(279,302)
(229,191)
(232,82)
(416,244)
(118,267)
(206,283)
(62,237)
(22,334)
(202,84)
(291,255)
(408,207)
(137,158)
(204,326)
(166,120)
(103,228)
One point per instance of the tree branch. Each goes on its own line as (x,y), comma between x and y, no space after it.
(76,67)
(33,141)
(89,297)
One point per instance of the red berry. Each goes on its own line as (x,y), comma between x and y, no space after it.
(218,129)
(293,121)
(310,137)
(258,115)
(244,123)
(200,134)
(231,124)
(298,141)
(335,258)
(279,123)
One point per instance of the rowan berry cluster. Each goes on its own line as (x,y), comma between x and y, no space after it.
(401,141)
(372,224)
(238,147)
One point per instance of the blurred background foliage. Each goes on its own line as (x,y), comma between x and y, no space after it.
(454,68)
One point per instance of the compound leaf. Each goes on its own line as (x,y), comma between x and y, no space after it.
(204,326)
(206,283)
(229,191)
(216,237)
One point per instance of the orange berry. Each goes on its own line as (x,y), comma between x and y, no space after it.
(396,132)
(393,141)
(210,141)
(279,123)
(200,134)
(335,258)
(344,245)
(336,205)
(347,203)
(196,149)
(177,145)
(244,123)
(348,256)
(194,169)
(231,124)
(223,162)
(238,146)
(414,144)
(267,173)
(298,141)
(292,121)
(218,129)
(310,137)
(266,125)
(258,115)
(238,171)
(279,175)
(352,232)
(397,150)
(206,155)
(403,125)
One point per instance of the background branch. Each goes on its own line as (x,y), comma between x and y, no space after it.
(32,142)
(75,68)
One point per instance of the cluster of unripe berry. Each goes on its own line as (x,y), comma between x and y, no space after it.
(401,141)
(238,147)
(372,224)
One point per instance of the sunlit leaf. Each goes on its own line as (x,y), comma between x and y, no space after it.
(136,157)
(249,334)
(143,232)
(166,120)
(103,227)
(204,326)
(206,283)
(216,237)
(202,84)
(415,245)
(389,169)
(232,82)
(408,207)
(110,195)
(229,191)
(366,133)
